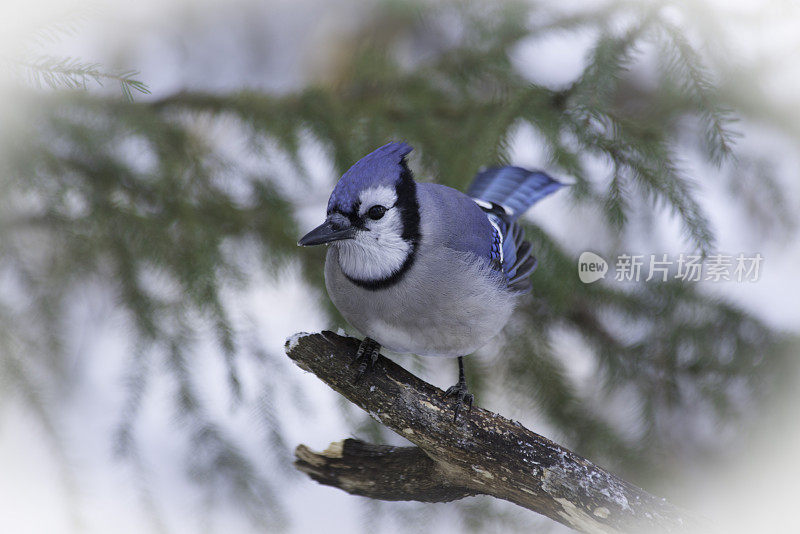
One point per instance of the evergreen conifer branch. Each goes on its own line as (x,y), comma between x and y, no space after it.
(684,66)
(72,73)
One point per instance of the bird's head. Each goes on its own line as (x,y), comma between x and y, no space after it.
(373,218)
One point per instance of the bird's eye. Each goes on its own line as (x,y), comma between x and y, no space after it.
(376,212)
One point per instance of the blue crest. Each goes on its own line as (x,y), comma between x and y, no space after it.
(384,166)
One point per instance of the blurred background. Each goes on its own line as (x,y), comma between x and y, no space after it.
(160,159)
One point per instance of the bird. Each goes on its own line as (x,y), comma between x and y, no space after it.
(422,268)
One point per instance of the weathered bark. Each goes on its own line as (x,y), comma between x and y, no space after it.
(481,453)
(379,471)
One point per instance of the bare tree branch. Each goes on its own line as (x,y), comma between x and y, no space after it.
(481,453)
(379,472)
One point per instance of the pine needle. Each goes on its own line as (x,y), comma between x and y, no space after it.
(72,73)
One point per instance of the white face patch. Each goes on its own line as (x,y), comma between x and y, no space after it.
(378,251)
(376,196)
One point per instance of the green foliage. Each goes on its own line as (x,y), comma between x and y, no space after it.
(137,197)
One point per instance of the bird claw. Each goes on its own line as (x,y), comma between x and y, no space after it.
(463,397)
(366,356)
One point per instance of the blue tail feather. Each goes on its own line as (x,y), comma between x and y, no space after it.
(513,190)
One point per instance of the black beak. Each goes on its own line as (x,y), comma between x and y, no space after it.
(326,233)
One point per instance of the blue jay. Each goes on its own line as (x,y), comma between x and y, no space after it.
(423,268)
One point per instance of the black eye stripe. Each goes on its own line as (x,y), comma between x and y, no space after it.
(352,216)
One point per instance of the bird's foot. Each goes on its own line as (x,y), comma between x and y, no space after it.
(462,395)
(366,356)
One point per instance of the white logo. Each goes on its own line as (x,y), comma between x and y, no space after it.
(591,267)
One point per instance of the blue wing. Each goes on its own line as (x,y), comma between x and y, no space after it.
(461,224)
(506,193)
